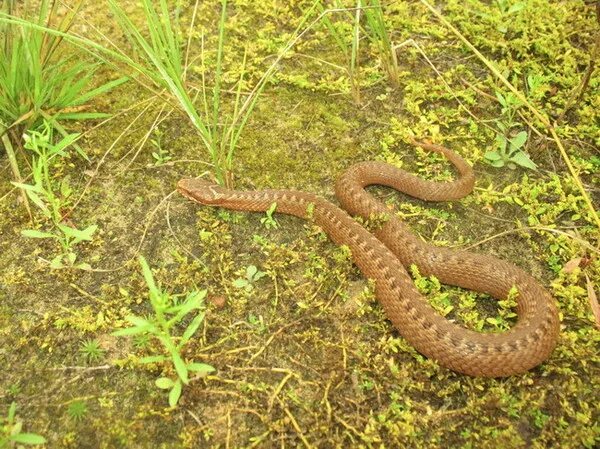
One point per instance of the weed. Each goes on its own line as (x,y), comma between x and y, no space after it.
(269,222)
(161,156)
(258,323)
(252,275)
(509,146)
(13,389)
(52,198)
(168,312)
(10,431)
(77,410)
(91,350)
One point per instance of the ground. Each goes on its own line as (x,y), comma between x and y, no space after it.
(304,356)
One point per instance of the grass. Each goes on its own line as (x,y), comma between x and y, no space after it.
(350,51)
(379,35)
(168,66)
(303,353)
(37,85)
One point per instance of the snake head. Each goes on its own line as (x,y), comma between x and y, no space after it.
(201,191)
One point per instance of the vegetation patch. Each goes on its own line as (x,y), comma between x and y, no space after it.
(253,329)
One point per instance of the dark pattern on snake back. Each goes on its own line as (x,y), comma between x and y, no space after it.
(384,255)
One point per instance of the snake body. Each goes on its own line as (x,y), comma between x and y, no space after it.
(384,255)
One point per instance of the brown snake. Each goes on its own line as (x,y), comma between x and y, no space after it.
(384,255)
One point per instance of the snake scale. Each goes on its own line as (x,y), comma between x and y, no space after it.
(384,255)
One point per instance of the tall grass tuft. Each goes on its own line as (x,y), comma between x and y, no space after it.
(350,52)
(37,83)
(377,32)
(367,20)
(165,63)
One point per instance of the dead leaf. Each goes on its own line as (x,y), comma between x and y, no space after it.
(593,300)
(218,301)
(570,266)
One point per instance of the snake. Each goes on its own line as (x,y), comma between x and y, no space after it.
(383,255)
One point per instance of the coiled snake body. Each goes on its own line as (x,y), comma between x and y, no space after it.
(384,254)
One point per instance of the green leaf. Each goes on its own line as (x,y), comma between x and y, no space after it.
(164,383)
(240,283)
(28,438)
(81,115)
(37,234)
(57,263)
(251,271)
(84,266)
(518,141)
(11,411)
(200,368)
(523,160)
(64,143)
(192,302)
(492,156)
(192,328)
(71,257)
(76,234)
(515,8)
(34,197)
(201,294)
(175,394)
(500,98)
(138,321)
(131,331)
(148,277)
(29,187)
(153,359)
(499,163)
(100,90)
(141,325)
(180,366)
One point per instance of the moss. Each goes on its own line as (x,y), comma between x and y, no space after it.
(307,355)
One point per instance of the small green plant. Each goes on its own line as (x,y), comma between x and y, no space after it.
(91,350)
(10,431)
(258,323)
(252,275)
(77,410)
(509,142)
(52,197)
(269,221)
(503,15)
(509,151)
(161,156)
(141,341)
(13,389)
(168,312)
